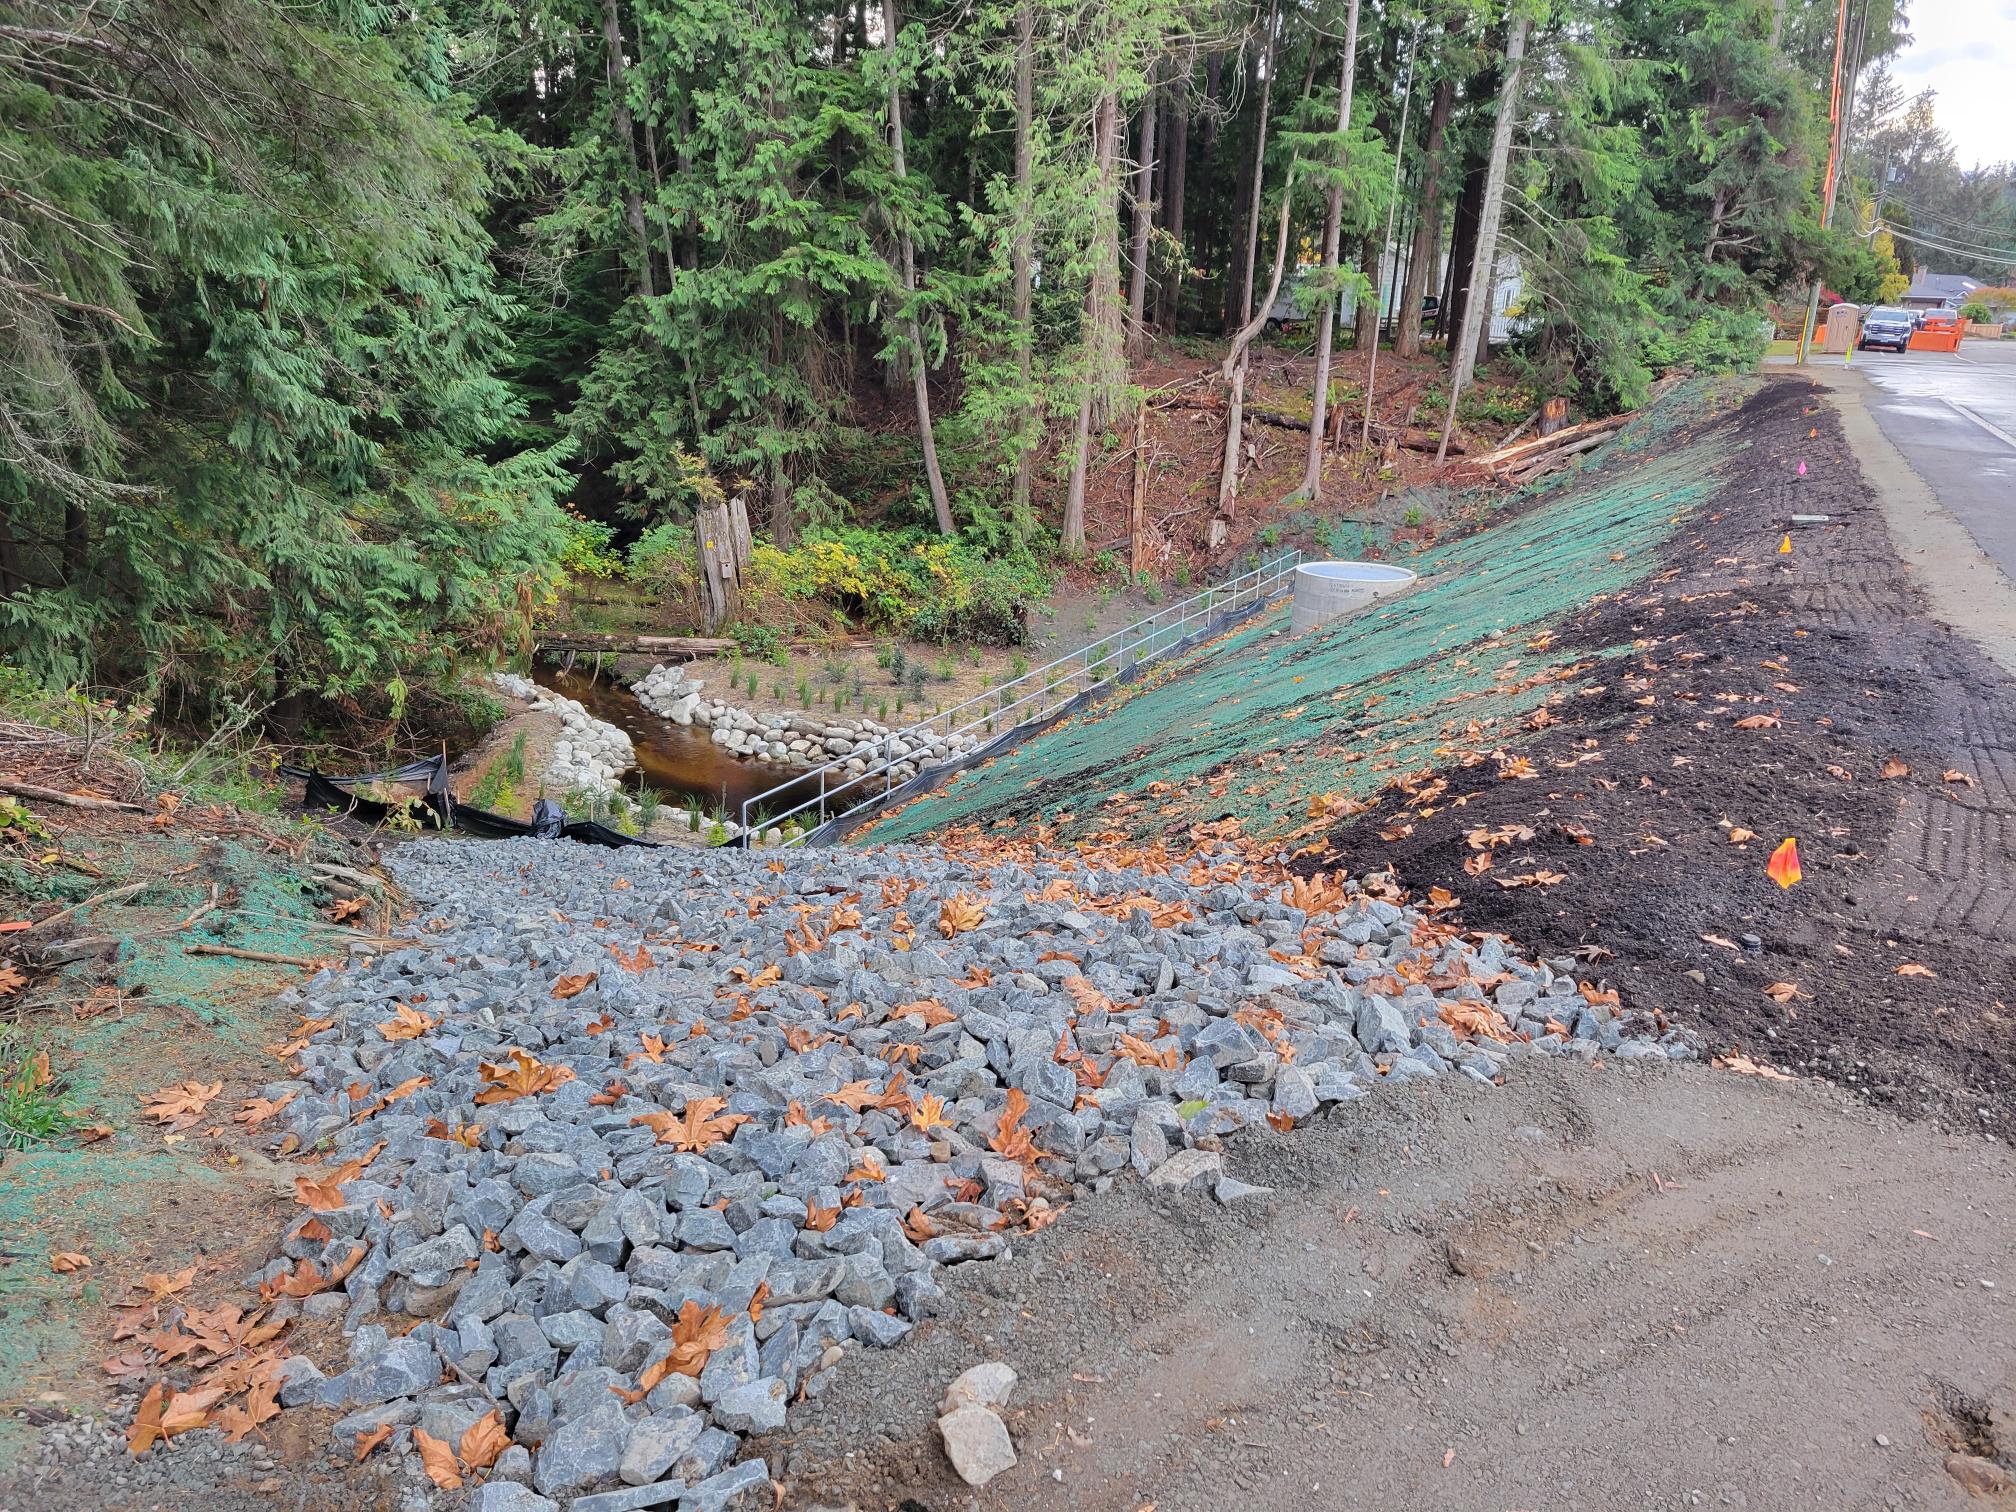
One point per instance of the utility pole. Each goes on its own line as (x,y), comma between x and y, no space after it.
(1836,119)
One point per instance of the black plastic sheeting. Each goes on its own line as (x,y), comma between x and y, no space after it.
(440,810)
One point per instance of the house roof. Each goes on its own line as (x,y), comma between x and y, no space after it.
(1948,288)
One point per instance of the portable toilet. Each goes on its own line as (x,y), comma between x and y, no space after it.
(1844,323)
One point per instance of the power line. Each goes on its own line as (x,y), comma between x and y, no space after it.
(1947,220)
(1991,254)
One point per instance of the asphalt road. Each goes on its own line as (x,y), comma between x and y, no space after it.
(1953,416)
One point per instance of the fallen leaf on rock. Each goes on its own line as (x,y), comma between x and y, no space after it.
(483,1441)
(1956,775)
(1913,969)
(189,1410)
(1782,992)
(1533,879)
(819,1219)
(927,1011)
(700,1127)
(929,1114)
(1009,1138)
(1468,1019)
(522,1077)
(438,1460)
(958,914)
(637,960)
(918,1227)
(1893,769)
(406,1023)
(1760,722)
(261,1404)
(254,1111)
(65,1261)
(1739,835)
(574,986)
(1726,944)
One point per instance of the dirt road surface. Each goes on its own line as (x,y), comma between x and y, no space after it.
(1594,1289)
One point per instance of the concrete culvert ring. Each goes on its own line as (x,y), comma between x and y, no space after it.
(1325,591)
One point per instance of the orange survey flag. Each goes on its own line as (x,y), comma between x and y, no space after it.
(1784,865)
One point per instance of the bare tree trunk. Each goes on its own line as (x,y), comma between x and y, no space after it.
(626,137)
(1235,414)
(1477,308)
(1103,310)
(1022,253)
(941,504)
(1777,21)
(1427,225)
(1462,250)
(1371,304)
(1175,173)
(1312,473)
(1144,224)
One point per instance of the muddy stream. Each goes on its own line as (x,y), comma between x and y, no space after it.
(680,763)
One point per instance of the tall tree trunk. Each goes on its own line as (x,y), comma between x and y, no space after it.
(1235,411)
(1175,173)
(1104,355)
(626,140)
(1427,224)
(941,503)
(1312,472)
(1252,209)
(1477,307)
(1144,224)
(1462,249)
(1022,252)
(1371,308)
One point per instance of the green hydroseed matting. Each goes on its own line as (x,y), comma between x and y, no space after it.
(1392,690)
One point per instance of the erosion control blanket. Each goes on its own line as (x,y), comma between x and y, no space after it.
(437,808)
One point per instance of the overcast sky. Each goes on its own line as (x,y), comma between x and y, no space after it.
(1966,49)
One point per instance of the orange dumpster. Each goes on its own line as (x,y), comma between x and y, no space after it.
(1940,332)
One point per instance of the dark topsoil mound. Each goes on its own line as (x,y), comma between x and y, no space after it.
(1644,771)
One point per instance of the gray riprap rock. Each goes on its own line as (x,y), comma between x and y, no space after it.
(740,1488)
(448,1412)
(1381,1026)
(755,1408)
(876,1328)
(507,1496)
(1188,1169)
(657,1443)
(1294,1092)
(299,1379)
(405,1367)
(1232,1192)
(582,1450)
(977,1443)
(432,1261)
(1149,1146)
(630,1498)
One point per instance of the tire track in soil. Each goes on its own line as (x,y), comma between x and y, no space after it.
(1912,870)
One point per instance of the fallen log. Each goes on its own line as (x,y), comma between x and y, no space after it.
(1539,445)
(668,645)
(1547,461)
(69,800)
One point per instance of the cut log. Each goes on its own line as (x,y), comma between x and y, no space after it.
(68,800)
(1504,455)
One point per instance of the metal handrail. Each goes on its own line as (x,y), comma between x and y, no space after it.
(1053,685)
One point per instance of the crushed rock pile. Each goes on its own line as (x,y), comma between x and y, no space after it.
(648,1141)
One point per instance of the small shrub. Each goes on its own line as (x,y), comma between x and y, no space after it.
(898,664)
(1018,665)
(1151,592)
(882,709)
(32,1108)
(760,641)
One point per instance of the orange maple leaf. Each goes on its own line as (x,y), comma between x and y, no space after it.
(522,1076)
(406,1023)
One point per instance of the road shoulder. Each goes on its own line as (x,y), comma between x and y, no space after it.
(1967,590)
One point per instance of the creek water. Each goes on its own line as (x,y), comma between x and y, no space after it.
(679,762)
